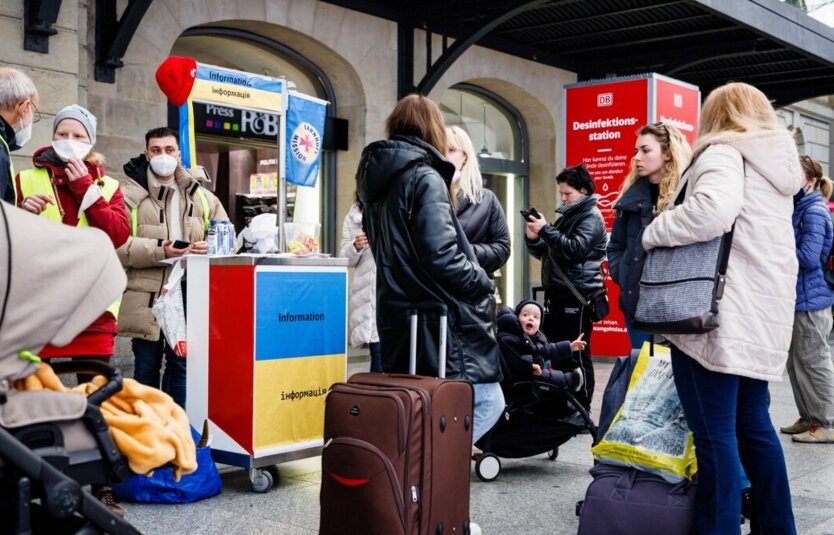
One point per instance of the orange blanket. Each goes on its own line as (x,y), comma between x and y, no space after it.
(149,429)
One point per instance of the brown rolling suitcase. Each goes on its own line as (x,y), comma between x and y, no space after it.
(397,452)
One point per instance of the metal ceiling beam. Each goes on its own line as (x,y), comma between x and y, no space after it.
(779,22)
(649,25)
(791,93)
(460,46)
(658,39)
(38,18)
(743,69)
(113,35)
(659,60)
(765,78)
(520,50)
(556,23)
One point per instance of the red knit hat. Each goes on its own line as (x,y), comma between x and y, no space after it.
(175,77)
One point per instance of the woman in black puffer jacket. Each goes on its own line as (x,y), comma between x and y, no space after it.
(422,255)
(576,241)
(478,209)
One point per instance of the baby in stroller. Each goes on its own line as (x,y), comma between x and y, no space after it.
(541,412)
(527,352)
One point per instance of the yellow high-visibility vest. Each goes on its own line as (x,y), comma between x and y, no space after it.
(37,182)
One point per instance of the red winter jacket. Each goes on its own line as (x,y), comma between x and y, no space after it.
(111,217)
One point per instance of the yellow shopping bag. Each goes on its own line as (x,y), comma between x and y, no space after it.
(649,432)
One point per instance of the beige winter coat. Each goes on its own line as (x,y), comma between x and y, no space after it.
(142,254)
(756,312)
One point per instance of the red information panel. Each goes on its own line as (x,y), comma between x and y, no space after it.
(678,104)
(601,123)
(600,129)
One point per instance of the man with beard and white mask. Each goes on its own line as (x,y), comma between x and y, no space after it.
(167,204)
(18,112)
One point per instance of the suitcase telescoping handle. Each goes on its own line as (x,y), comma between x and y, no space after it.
(428,306)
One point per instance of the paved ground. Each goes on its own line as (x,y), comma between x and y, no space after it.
(533,496)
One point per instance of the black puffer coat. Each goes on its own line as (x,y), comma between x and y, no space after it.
(422,255)
(625,250)
(486,229)
(577,240)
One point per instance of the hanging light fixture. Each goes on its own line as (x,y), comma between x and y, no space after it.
(485,149)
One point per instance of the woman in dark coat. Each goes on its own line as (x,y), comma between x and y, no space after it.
(576,242)
(478,210)
(661,154)
(422,255)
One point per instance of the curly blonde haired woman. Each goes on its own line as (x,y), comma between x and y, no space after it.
(661,154)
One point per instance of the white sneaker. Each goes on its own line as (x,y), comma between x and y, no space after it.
(474,529)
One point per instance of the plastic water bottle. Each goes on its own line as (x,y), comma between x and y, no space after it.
(222,238)
(212,238)
(230,235)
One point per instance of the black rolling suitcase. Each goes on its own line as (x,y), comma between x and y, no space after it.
(397,451)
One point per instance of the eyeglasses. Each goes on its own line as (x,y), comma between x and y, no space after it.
(659,124)
(37,115)
(806,158)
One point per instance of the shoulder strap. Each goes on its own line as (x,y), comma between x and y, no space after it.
(205,205)
(584,302)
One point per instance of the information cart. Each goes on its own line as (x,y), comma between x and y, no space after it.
(267,337)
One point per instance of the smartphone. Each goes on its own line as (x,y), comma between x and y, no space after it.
(531,212)
(179,244)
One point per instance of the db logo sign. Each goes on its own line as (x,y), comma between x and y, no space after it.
(305,143)
(677,100)
(605,99)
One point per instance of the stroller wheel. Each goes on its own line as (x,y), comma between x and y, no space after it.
(553,454)
(262,481)
(488,467)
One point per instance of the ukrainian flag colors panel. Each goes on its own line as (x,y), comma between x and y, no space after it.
(300,313)
(289,398)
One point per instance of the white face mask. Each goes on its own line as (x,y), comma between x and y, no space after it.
(456,176)
(163,165)
(67,149)
(23,135)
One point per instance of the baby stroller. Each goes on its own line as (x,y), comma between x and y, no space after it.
(54,443)
(538,418)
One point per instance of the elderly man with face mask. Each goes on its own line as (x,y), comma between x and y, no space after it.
(170,213)
(18,112)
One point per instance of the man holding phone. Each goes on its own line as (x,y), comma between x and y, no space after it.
(169,213)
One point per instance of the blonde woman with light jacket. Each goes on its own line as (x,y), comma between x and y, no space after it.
(362,300)
(745,171)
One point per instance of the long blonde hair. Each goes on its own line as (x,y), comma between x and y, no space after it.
(471,184)
(736,107)
(673,143)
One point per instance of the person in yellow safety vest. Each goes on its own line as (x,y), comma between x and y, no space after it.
(68,185)
(167,203)
(18,112)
